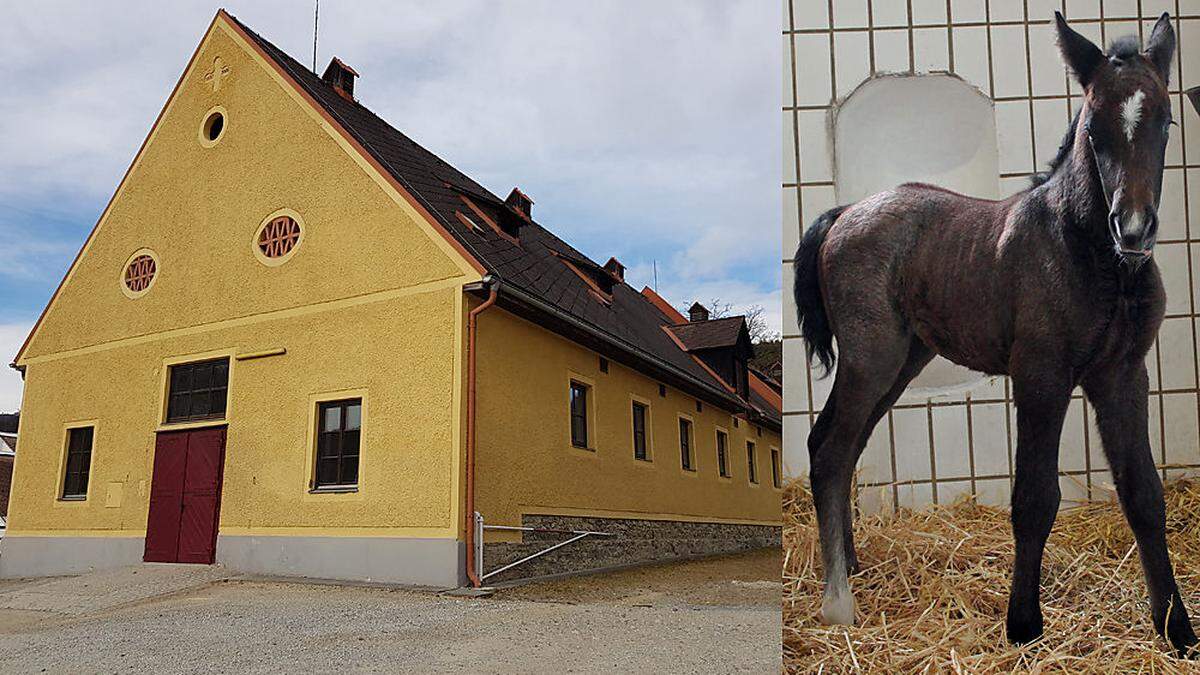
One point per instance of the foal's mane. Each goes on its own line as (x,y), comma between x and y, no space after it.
(1064,153)
(1120,49)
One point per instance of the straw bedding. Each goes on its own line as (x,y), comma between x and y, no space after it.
(933,591)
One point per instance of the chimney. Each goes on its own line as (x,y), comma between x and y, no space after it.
(697,312)
(341,76)
(615,268)
(520,202)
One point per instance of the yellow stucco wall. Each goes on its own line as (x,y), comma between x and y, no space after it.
(526,464)
(370,302)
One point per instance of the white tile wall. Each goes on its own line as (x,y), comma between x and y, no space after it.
(956,446)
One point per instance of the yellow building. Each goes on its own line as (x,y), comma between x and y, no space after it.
(298,343)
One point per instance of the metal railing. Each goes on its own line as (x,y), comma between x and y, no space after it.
(576,535)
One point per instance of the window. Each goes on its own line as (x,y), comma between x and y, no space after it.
(278,237)
(197,390)
(339,425)
(139,273)
(685,445)
(603,365)
(662,390)
(213,127)
(750,462)
(579,421)
(639,431)
(79,463)
(775,468)
(722,459)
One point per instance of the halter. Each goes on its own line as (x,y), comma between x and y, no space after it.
(1099,172)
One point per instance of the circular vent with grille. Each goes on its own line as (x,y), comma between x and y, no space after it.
(139,273)
(278,237)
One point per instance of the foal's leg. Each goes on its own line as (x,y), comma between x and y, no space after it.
(919,356)
(1042,397)
(862,380)
(1119,397)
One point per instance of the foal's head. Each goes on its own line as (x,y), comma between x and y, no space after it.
(1123,126)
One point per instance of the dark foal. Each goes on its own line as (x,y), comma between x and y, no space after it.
(1054,287)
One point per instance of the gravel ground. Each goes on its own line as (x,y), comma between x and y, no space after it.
(687,617)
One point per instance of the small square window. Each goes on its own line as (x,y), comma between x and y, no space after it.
(603,365)
(339,430)
(579,414)
(662,390)
(699,406)
(79,463)
(685,445)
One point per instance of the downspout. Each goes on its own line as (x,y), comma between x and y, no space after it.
(472,322)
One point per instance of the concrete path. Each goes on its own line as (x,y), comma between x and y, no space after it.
(683,618)
(109,589)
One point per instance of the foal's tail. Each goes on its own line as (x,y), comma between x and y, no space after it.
(814,321)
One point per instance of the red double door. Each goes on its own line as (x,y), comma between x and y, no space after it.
(185,496)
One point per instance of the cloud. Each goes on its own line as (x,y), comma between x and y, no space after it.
(646,130)
(12,335)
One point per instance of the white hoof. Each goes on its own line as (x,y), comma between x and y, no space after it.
(837,609)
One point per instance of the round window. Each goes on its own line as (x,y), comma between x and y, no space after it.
(278,237)
(139,273)
(213,127)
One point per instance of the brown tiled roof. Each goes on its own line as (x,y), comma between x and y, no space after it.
(536,262)
(696,335)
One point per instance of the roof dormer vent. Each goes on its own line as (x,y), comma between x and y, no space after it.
(520,202)
(697,312)
(341,76)
(615,268)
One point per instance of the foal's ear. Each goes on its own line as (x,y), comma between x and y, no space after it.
(1081,55)
(1160,49)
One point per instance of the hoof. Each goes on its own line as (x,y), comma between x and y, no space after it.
(837,609)
(1023,631)
(1186,645)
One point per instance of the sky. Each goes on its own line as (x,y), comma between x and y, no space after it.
(642,130)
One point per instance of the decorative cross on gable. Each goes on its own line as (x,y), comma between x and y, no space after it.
(217,74)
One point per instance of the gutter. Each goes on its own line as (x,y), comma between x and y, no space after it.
(493,285)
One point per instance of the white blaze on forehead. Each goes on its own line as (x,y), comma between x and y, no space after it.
(1131,113)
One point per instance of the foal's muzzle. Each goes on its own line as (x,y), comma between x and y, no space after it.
(1134,232)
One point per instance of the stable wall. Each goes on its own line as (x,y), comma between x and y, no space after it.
(937,446)
(526,465)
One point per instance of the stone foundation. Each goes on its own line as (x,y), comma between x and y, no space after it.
(633,542)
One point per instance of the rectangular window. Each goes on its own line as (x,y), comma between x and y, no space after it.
(79,463)
(579,417)
(722,460)
(639,431)
(339,427)
(196,391)
(685,444)
(750,462)
(775,468)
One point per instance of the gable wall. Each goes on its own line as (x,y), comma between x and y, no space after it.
(370,304)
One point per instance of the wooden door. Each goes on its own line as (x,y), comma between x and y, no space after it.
(185,496)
